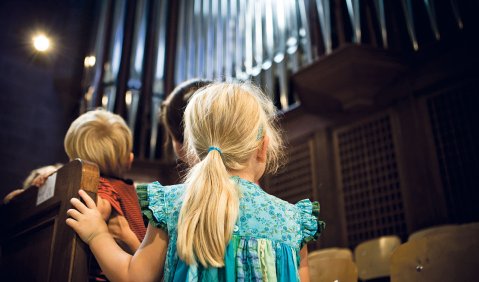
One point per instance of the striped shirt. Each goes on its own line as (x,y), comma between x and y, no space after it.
(121,194)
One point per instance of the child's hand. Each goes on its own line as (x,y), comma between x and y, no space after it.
(125,237)
(42,175)
(39,180)
(119,227)
(86,221)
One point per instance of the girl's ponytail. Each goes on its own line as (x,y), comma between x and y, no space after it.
(209,212)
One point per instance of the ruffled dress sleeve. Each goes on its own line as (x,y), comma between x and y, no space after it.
(311,226)
(153,205)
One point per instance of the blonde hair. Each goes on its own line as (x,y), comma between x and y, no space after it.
(103,138)
(235,118)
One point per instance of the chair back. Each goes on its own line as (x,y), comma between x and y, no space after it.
(446,256)
(432,230)
(470,226)
(373,257)
(331,252)
(332,264)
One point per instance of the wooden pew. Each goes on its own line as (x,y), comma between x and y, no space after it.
(36,244)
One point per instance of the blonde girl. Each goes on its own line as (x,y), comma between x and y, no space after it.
(219,225)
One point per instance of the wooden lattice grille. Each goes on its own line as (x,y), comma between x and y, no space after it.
(454,116)
(369,178)
(294,181)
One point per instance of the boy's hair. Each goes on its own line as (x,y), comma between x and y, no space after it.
(101,137)
(234,118)
(174,106)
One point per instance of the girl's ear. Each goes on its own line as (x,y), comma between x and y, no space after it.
(263,150)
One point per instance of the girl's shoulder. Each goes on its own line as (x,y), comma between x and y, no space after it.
(266,216)
(158,202)
(155,192)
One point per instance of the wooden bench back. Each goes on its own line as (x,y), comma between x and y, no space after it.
(36,243)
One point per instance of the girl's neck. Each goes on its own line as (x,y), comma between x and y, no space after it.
(244,175)
(251,172)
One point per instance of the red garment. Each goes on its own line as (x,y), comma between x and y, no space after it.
(123,199)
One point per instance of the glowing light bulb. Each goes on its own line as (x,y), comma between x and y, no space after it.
(41,42)
(90,61)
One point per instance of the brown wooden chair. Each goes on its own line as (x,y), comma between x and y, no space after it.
(331,253)
(470,226)
(446,256)
(373,257)
(432,231)
(332,264)
(36,243)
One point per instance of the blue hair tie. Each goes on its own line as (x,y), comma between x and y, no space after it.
(213,148)
(260,132)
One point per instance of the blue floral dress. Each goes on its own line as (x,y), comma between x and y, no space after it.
(266,241)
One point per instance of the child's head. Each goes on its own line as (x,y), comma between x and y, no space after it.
(174,107)
(235,118)
(101,137)
(238,120)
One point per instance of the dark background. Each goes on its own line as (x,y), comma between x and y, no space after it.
(39,92)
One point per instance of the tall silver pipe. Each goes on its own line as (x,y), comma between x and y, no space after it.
(249,36)
(268,31)
(457,15)
(228,40)
(92,93)
(269,85)
(291,26)
(281,71)
(180,66)
(132,99)
(382,21)
(407,7)
(117,37)
(161,26)
(161,8)
(279,25)
(112,65)
(139,35)
(136,63)
(293,62)
(154,119)
(258,38)
(219,39)
(431,12)
(191,40)
(214,32)
(354,15)
(210,44)
(324,15)
(109,98)
(240,68)
(304,33)
(199,38)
